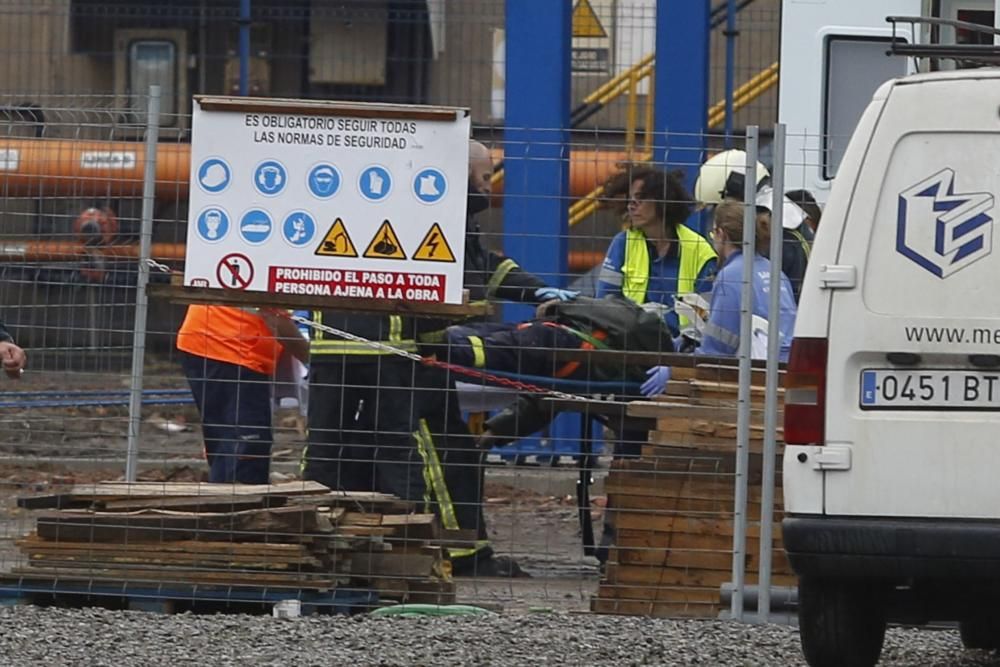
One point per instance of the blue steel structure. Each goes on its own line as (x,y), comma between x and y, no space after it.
(536,157)
(681,80)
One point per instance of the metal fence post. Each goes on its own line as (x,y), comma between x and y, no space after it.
(744,396)
(141,300)
(771,387)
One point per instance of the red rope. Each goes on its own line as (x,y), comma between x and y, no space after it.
(505,382)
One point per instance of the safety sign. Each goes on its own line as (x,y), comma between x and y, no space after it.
(434,247)
(213,224)
(299,229)
(337,242)
(375,183)
(429,186)
(385,244)
(324,181)
(256,226)
(214,175)
(328,198)
(235,271)
(269,178)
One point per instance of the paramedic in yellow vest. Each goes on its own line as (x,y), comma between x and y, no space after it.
(657,257)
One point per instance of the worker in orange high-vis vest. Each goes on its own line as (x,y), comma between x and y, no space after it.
(229,357)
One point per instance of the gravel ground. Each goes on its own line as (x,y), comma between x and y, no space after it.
(34,636)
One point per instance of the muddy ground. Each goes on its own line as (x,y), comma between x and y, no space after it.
(43,449)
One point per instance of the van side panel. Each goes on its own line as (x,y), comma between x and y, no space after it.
(920,233)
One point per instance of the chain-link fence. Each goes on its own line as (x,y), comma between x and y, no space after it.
(610,499)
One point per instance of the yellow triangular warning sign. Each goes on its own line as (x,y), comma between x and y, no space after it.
(337,243)
(434,247)
(585,21)
(385,244)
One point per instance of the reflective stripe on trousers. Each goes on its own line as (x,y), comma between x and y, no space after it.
(435,481)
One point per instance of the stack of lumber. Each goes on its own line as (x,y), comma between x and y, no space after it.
(296,535)
(673,507)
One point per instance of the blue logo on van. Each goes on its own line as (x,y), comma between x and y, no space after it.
(942,231)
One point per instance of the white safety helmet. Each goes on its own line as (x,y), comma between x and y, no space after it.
(713,175)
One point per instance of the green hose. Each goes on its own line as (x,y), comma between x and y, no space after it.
(410,610)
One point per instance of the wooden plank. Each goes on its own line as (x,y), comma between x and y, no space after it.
(708,427)
(159,574)
(731,374)
(103,491)
(652,609)
(676,409)
(662,593)
(670,506)
(193,503)
(282,524)
(33,541)
(329,108)
(653,529)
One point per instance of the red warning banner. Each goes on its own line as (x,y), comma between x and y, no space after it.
(393,285)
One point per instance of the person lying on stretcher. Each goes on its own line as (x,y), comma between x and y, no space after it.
(531,348)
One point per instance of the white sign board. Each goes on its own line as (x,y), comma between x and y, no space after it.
(364,201)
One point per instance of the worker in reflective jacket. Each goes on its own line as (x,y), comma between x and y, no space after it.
(722,329)
(377,422)
(657,257)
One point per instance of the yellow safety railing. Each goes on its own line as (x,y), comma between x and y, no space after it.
(742,96)
(612,89)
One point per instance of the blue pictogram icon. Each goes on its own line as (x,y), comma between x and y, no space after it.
(212,224)
(214,175)
(324,180)
(256,226)
(430,185)
(298,229)
(375,183)
(270,178)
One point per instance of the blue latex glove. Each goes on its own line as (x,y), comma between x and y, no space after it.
(657,382)
(549,293)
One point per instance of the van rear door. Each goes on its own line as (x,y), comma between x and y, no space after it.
(913,375)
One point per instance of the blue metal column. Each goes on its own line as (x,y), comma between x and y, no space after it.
(536,140)
(244,47)
(536,157)
(681,95)
(730,67)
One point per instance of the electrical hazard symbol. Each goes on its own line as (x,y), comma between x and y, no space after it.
(585,21)
(385,244)
(434,247)
(337,243)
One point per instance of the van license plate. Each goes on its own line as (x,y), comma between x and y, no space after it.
(892,389)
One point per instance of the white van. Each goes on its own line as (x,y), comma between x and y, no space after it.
(892,416)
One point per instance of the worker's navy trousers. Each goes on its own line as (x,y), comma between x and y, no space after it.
(235,407)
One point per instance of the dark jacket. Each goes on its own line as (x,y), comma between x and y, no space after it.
(626,327)
(487,276)
(796,245)
(5,336)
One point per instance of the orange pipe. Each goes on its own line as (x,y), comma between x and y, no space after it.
(588,169)
(68,251)
(47,167)
(68,167)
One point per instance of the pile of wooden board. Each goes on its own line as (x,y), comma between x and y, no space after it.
(673,508)
(295,535)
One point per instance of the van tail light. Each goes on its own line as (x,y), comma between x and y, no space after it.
(805,392)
